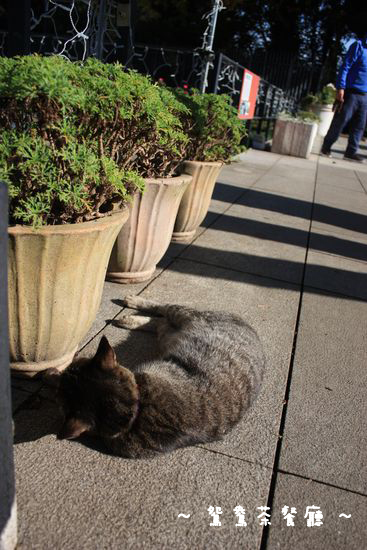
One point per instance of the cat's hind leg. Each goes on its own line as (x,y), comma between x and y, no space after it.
(138,322)
(176,315)
(142,304)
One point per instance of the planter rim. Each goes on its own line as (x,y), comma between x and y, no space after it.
(298,122)
(172,180)
(206,162)
(83,227)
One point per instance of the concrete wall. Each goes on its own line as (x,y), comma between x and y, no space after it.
(8,519)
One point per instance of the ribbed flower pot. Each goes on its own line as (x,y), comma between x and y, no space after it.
(196,199)
(143,241)
(56,277)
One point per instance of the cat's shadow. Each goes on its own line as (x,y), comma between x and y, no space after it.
(40,415)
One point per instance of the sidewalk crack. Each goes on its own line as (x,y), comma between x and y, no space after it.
(265,533)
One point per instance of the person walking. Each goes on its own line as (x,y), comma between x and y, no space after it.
(351,101)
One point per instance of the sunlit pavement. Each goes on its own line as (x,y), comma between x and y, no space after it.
(285,245)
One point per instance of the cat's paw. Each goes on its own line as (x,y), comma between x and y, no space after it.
(126,321)
(132,301)
(132,322)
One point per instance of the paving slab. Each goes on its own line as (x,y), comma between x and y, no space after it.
(336,274)
(325,436)
(299,162)
(267,200)
(90,500)
(332,178)
(362,178)
(248,172)
(113,293)
(255,158)
(339,221)
(288,185)
(334,534)
(339,245)
(336,173)
(272,312)
(346,199)
(251,247)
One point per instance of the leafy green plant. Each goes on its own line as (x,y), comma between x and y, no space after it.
(326,96)
(77,140)
(215,132)
(301,116)
(307,116)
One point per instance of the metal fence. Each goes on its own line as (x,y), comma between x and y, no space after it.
(176,67)
(286,71)
(78,29)
(271,100)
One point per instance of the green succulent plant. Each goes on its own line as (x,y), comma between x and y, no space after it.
(326,96)
(78,139)
(214,129)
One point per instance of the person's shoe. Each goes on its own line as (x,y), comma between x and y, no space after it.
(353,156)
(325,152)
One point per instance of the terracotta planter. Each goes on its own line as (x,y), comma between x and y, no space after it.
(56,277)
(143,241)
(196,199)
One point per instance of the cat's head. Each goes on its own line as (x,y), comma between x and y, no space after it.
(97,395)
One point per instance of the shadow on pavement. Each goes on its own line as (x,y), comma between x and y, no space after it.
(291,235)
(270,272)
(299,208)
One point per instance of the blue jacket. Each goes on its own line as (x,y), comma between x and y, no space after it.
(353,72)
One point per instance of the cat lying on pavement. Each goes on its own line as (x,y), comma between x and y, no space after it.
(209,372)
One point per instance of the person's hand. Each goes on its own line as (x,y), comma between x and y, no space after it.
(339,101)
(340,96)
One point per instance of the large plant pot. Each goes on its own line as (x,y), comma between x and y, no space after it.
(56,277)
(293,138)
(196,199)
(143,241)
(325,113)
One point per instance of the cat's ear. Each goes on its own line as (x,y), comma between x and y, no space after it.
(105,355)
(73,428)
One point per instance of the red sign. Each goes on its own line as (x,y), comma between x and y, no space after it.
(250,87)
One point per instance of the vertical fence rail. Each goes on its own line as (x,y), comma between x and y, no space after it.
(19,25)
(8,526)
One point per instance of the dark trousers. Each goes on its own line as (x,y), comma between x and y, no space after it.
(354,111)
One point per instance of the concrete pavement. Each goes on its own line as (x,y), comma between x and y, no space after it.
(285,246)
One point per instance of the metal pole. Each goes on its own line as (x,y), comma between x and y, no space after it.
(208,41)
(8,514)
(219,66)
(101,28)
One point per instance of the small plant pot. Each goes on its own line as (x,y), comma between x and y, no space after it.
(143,241)
(196,199)
(56,277)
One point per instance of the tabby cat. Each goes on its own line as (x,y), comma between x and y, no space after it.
(209,372)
